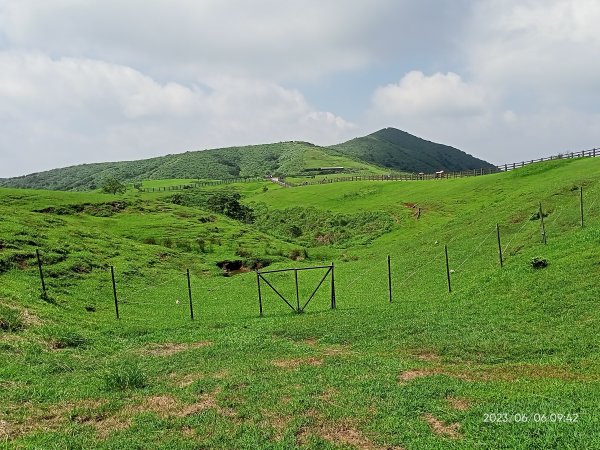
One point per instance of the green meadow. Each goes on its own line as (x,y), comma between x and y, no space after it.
(509,359)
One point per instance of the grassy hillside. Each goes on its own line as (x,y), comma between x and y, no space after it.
(397,149)
(427,371)
(376,154)
(286,158)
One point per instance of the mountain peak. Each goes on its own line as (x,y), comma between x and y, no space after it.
(397,149)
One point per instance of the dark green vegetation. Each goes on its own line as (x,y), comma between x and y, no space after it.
(113,186)
(427,371)
(397,149)
(372,155)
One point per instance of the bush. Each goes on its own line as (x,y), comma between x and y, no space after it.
(295,231)
(298,254)
(538,262)
(243,252)
(126,376)
(11,319)
(113,186)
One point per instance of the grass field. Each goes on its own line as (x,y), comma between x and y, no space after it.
(509,359)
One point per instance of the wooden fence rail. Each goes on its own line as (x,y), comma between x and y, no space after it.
(593,153)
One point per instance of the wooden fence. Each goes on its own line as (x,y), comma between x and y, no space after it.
(593,153)
(569,155)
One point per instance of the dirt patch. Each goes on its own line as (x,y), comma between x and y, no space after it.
(278,422)
(105,426)
(187,380)
(519,371)
(294,363)
(413,374)
(339,433)
(443,429)
(496,373)
(460,404)
(3,429)
(221,374)
(163,405)
(328,395)
(49,418)
(189,432)
(169,348)
(338,350)
(168,406)
(311,342)
(30,319)
(427,355)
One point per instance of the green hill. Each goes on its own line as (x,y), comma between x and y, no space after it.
(374,154)
(399,150)
(509,359)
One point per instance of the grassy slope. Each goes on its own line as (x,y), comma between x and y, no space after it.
(375,154)
(252,161)
(397,149)
(371,373)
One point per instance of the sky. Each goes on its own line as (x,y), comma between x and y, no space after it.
(106,80)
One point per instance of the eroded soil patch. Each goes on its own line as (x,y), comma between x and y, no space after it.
(441,428)
(295,363)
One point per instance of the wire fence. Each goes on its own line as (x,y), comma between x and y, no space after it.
(157,300)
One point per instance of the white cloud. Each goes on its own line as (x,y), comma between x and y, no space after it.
(85,80)
(529,83)
(437,95)
(545,51)
(266,38)
(80,110)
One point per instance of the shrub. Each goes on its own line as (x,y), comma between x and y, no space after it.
(295,231)
(11,319)
(151,240)
(298,254)
(125,376)
(538,262)
(243,252)
(113,186)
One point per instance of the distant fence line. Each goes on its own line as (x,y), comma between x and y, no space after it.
(593,153)
(569,155)
(179,187)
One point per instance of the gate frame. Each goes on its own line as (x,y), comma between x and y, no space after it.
(297,309)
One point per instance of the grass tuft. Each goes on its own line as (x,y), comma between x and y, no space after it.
(68,339)
(11,319)
(125,376)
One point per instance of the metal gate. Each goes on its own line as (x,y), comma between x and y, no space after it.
(260,277)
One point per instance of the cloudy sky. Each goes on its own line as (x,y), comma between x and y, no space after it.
(99,80)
